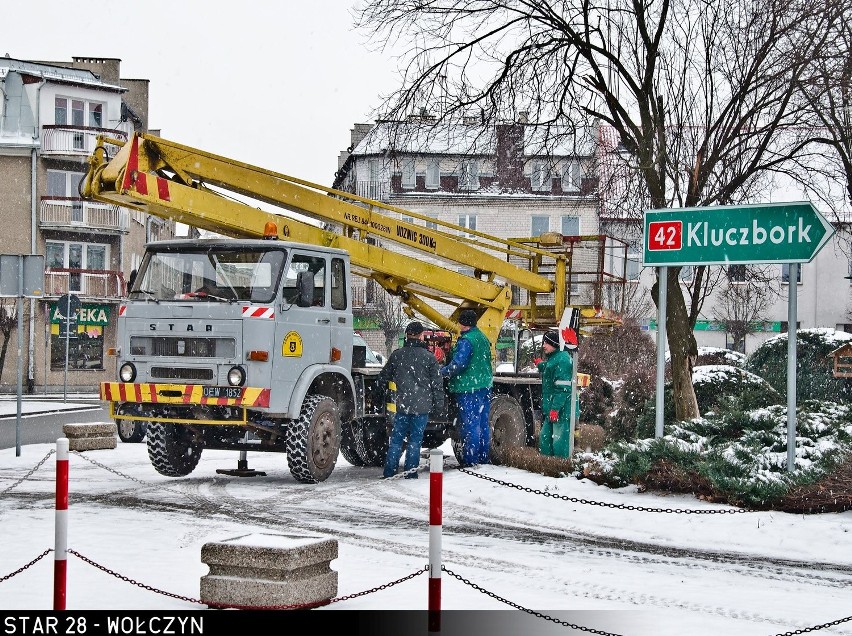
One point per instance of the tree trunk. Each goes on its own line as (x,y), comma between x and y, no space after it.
(683,350)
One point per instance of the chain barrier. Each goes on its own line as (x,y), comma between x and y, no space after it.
(384,586)
(605,504)
(131,581)
(30,564)
(30,473)
(552,619)
(816,628)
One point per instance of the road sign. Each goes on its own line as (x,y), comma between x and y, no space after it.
(68,306)
(724,235)
(33,275)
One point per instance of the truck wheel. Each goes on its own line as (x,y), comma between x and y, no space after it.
(508,429)
(364,442)
(172,450)
(349,445)
(130,431)
(313,441)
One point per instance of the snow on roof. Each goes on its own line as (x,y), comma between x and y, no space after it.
(55,73)
(454,138)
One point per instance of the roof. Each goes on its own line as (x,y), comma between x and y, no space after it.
(458,138)
(207,243)
(60,74)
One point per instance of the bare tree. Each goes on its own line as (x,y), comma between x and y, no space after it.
(741,304)
(8,322)
(389,316)
(702,97)
(829,95)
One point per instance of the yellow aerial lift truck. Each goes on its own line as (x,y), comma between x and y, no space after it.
(245,342)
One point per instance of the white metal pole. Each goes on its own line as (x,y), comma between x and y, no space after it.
(792,302)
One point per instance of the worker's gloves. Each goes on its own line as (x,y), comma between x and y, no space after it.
(554,415)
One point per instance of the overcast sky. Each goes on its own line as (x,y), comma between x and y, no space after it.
(276,84)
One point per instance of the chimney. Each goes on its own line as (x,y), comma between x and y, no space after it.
(524,117)
(510,156)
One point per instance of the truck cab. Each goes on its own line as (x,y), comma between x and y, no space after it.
(222,335)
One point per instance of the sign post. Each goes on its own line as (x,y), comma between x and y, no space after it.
(791,232)
(68,306)
(22,276)
(569,339)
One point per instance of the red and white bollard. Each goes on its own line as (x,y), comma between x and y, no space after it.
(60,562)
(436,480)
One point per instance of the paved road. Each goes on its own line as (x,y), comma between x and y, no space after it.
(47,427)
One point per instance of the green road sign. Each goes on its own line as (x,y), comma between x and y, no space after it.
(773,233)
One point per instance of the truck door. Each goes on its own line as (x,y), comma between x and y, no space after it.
(341,311)
(302,333)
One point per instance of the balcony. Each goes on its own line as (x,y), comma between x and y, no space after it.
(91,283)
(76,215)
(376,190)
(76,141)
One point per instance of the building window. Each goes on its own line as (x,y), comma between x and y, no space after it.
(86,346)
(468,175)
(571,177)
(63,183)
(409,177)
(539,225)
(732,344)
(433,174)
(468,221)
(78,256)
(737,273)
(571,225)
(634,266)
(78,110)
(96,115)
(60,111)
(687,272)
(432,225)
(540,177)
(785,273)
(785,325)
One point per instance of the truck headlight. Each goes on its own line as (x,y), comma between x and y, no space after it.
(236,376)
(127,372)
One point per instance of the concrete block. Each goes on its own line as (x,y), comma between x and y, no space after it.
(91,436)
(269,570)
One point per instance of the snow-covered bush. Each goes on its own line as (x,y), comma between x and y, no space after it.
(814,379)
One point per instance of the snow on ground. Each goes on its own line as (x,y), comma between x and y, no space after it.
(551,545)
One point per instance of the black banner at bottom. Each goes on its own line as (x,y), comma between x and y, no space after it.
(354,622)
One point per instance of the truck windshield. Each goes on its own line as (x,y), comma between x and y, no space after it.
(209,274)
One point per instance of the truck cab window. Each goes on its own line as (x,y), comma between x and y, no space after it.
(303,263)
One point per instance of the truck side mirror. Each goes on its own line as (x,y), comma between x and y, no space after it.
(305,285)
(131,279)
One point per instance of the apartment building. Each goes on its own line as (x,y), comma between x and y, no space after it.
(495,178)
(50,116)
(502,180)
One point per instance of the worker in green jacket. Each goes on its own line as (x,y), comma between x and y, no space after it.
(556,370)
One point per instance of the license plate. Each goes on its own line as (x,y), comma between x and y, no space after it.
(221,392)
